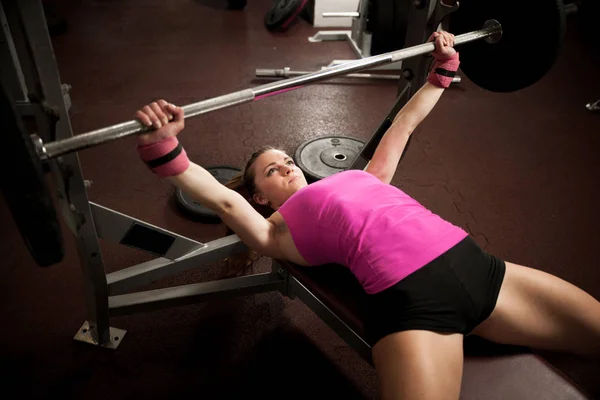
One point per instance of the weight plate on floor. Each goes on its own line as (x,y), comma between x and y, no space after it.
(324,156)
(532,36)
(283,13)
(196,210)
(24,188)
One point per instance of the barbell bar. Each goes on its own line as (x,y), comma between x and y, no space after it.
(491,33)
(288,72)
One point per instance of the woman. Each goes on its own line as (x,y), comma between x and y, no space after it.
(429,284)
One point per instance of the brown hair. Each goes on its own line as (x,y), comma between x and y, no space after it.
(244,184)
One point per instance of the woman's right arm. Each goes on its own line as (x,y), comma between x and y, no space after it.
(253,229)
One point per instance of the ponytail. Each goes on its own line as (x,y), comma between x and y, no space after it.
(236,183)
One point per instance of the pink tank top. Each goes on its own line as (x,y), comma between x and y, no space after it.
(380,233)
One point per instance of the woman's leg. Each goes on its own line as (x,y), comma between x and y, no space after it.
(539,310)
(419,365)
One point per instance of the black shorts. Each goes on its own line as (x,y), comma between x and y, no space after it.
(453,293)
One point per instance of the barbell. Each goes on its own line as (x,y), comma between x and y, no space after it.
(491,32)
(523,42)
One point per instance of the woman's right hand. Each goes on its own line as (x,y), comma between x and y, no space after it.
(166,119)
(444,44)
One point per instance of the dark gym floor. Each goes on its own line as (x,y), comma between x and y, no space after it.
(519,171)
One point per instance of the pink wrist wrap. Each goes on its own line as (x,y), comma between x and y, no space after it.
(165,157)
(443,71)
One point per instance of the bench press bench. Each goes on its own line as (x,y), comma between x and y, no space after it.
(490,371)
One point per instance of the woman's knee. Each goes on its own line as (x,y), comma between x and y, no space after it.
(411,364)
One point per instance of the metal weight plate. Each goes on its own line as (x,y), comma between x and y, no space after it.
(324,156)
(387,22)
(24,188)
(283,13)
(196,210)
(533,35)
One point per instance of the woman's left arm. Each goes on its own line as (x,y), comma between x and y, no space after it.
(389,150)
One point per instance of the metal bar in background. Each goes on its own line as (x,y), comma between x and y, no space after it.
(72,194)
(134,303)
(104,135)
(360,38)
(350,14)
(356,47)
(593,106)
(10,67)
(27,70)
(329,36)
(364,157)
(141,274)
(287,72)
(132,232)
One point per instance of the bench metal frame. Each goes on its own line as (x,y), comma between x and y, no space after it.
(28,65)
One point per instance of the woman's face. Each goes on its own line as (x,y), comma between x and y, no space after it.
(276,178)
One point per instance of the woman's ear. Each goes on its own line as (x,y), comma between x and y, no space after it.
(258,199)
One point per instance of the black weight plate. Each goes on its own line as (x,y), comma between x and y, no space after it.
(533,35)
(387,24)
(324,156)
(196,210)
(24,188)
(587,17)
(283,13)
(380,23)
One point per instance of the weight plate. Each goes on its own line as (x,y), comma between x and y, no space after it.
(324,156)
(196,210)
(24,188)
(387,22)
(533,35)
(283,13)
